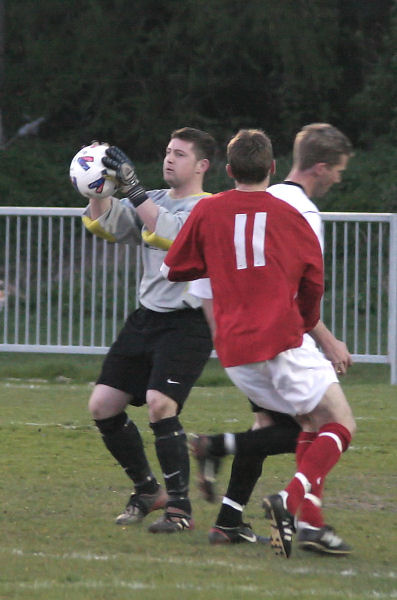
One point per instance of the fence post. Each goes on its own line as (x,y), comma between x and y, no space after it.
(392,325)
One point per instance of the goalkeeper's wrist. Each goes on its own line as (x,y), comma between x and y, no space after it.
(137,195)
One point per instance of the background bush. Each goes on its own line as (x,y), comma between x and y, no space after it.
(369,184)
(131,72)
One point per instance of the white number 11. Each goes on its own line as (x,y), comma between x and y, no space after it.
(258,239)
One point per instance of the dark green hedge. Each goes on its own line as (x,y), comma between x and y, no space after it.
(130,71)
(35,173)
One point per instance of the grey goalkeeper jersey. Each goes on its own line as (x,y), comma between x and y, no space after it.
(122,224)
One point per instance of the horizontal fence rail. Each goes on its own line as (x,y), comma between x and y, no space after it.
(360,301)
(63,290)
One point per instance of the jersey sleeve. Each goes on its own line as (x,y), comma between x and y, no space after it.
(315,222)
(118,224)
(185,260)
(311,286)
(167,228)
(169,222)
(309,296)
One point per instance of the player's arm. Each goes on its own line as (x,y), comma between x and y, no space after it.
(160,225)
(121,167)
(185,259)
(98,207)
(113,220)
(311,287)
(207,305)
(201,288)
(335,350)
(309,299)
(314,220)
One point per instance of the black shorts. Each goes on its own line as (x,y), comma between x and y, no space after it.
(158,351)
(278,418)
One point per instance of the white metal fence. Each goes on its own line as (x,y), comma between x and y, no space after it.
(64,290)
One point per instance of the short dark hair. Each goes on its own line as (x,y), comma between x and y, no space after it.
(320,142)
(204,144)
(250,155)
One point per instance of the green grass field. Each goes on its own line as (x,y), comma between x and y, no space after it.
(60,492)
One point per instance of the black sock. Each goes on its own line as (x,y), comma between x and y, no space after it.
(246,471)
(217,444)
(172,452)
(124,442)
(274,439)
(267,441)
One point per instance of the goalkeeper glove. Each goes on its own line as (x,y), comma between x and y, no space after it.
(124,171)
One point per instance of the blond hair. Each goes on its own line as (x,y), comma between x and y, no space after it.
(320,143)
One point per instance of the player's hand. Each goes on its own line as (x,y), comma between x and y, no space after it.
(335,350)
(340,357)
(122,168)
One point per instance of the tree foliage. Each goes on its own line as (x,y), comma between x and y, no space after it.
(131,71)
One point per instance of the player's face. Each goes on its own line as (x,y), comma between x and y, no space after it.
(329,175)
(180,163)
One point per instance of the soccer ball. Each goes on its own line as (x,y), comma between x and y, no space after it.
(88,173)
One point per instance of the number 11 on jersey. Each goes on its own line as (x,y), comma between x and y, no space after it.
(258,239)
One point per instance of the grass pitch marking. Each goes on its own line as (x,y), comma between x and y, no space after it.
(88,556)
(243,589)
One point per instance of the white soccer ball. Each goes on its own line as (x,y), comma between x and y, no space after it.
(88,173)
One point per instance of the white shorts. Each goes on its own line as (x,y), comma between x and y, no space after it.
(293,382)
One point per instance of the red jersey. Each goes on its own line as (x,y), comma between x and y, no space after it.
(266,270)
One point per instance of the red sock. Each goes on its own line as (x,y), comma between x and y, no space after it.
(304,442)
(317,461)
(310,510)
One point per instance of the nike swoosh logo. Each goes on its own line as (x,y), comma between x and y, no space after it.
(248,538)
(171,381)
(168,475)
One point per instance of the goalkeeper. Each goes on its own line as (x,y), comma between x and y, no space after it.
(165,343)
